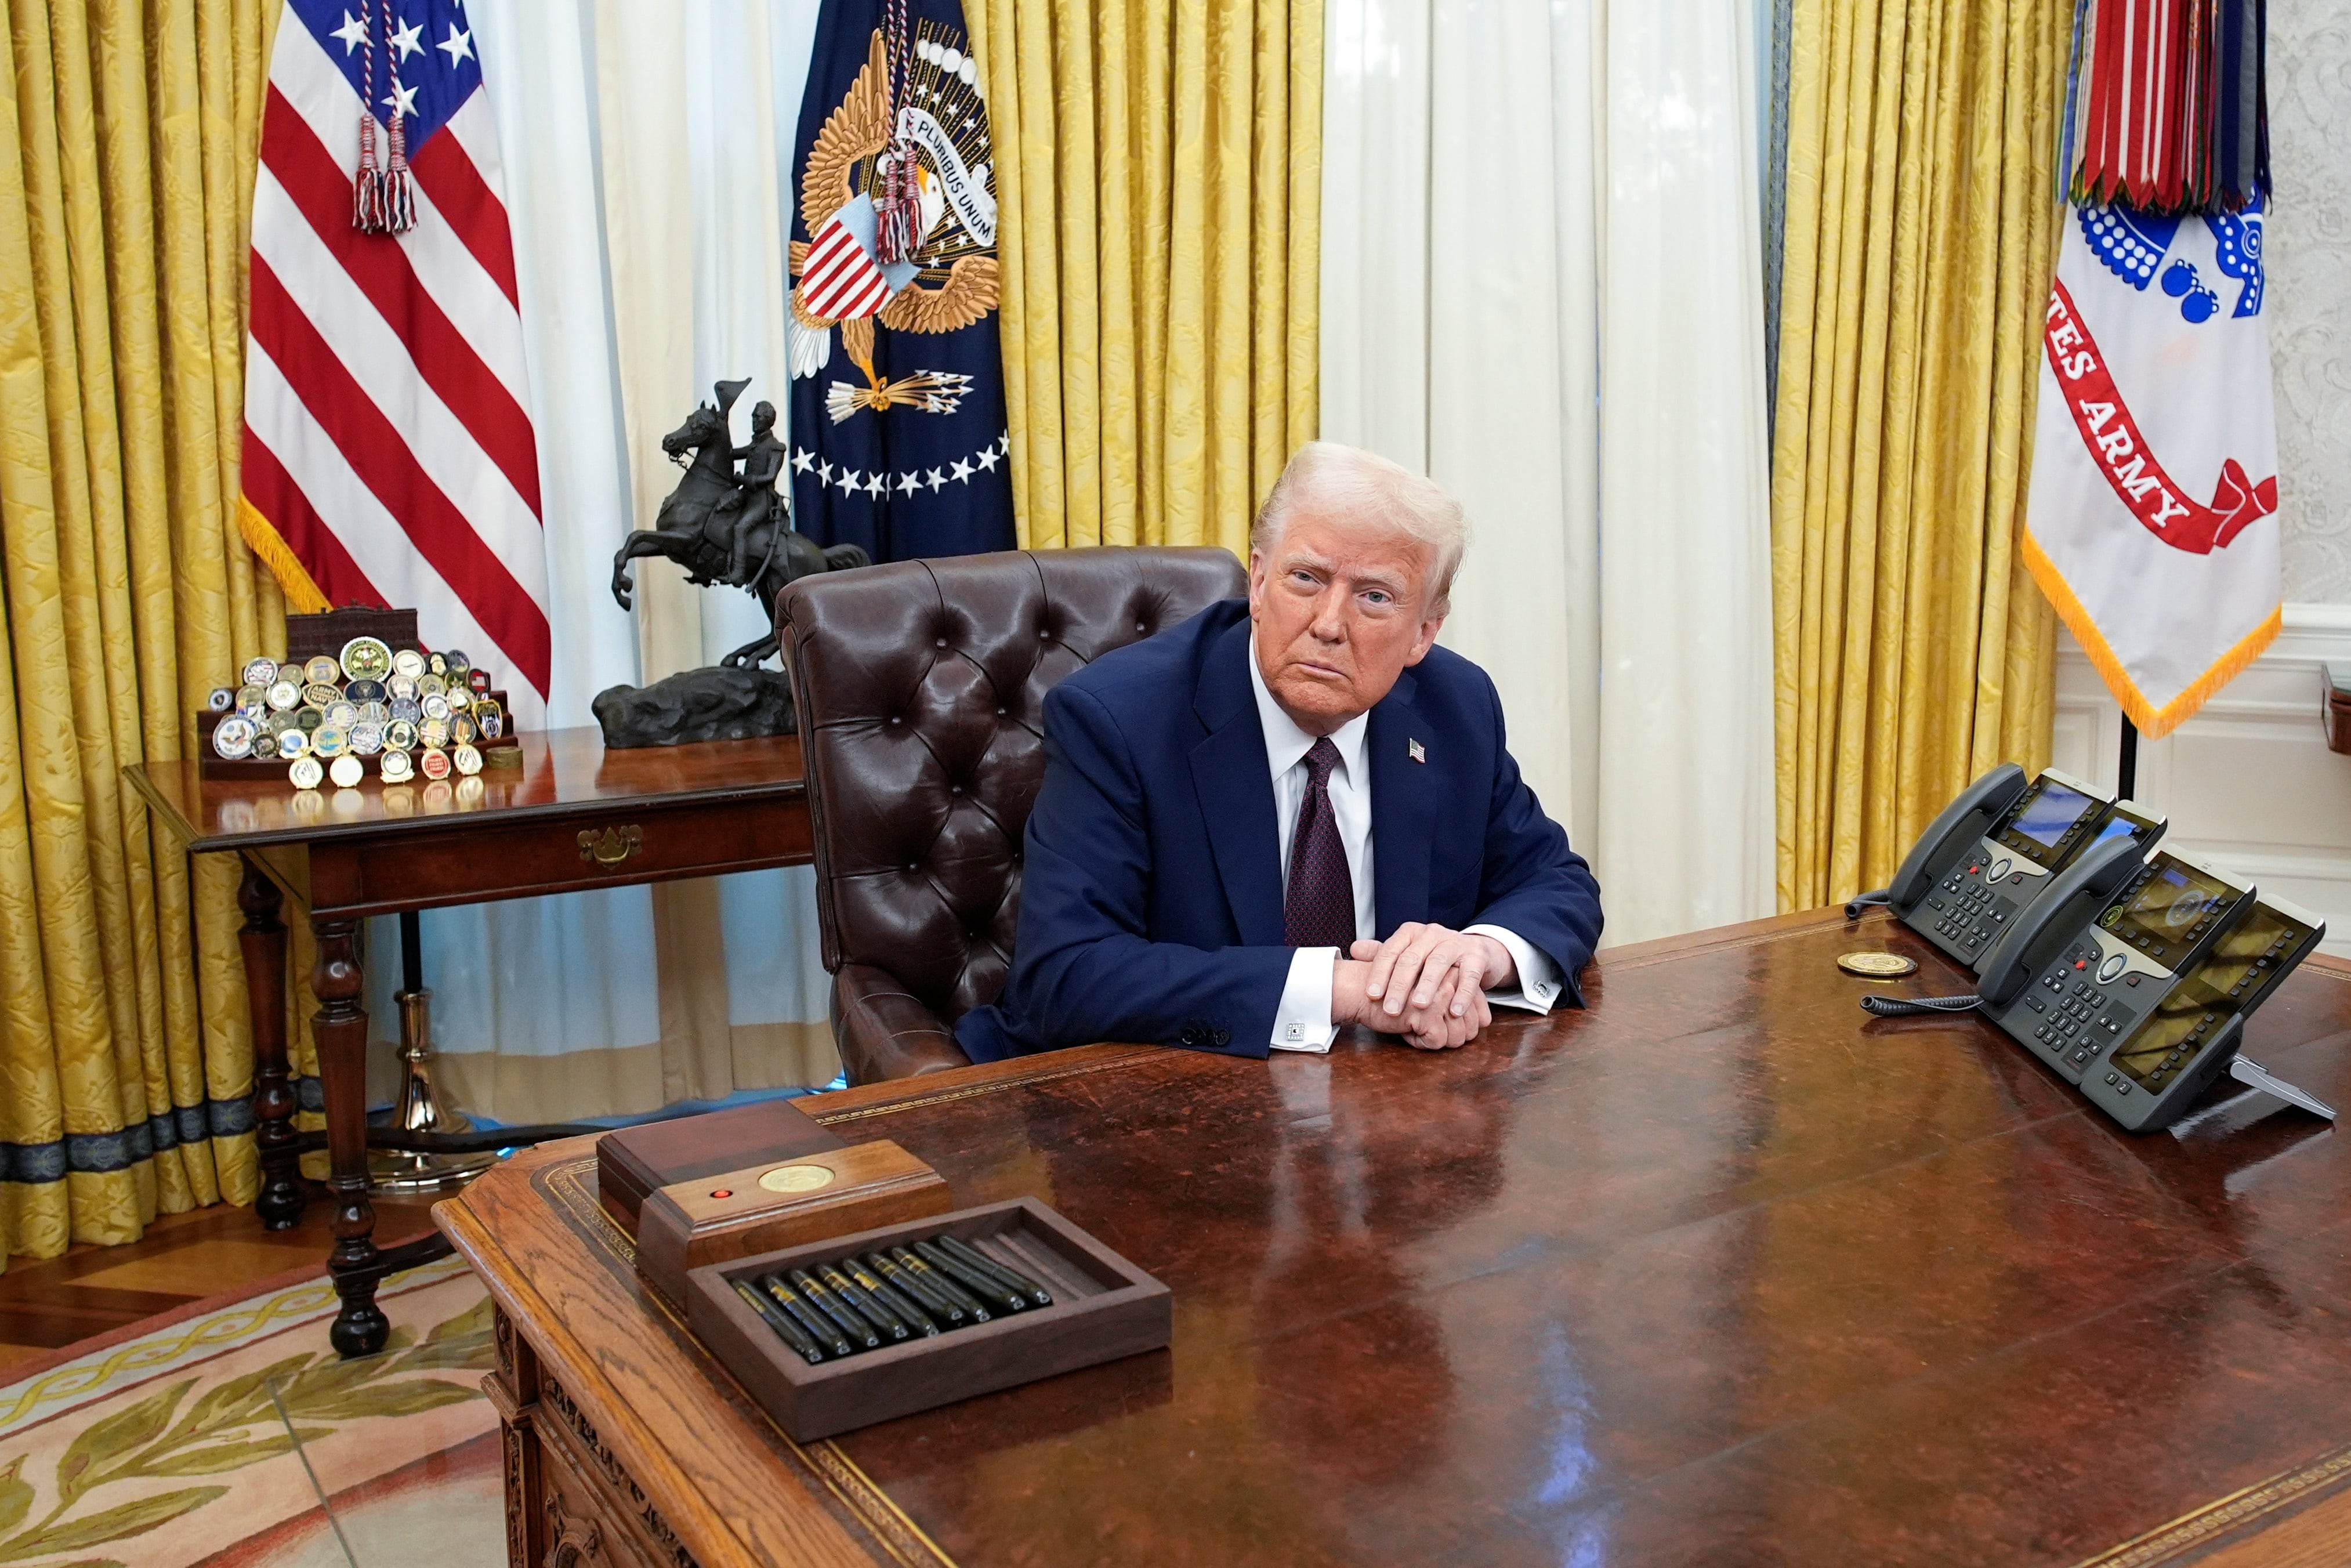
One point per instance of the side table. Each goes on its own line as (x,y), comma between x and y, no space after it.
(572,816)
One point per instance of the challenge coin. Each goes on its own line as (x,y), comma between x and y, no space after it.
(395,766)
(253,696)
(306,772)
(434,763)
(477,680)
(260,672)
(400,735)
(375,713)
(321,695)
(367,739)
(265,746)
(310,718)
(408,663)
(408,708)
(367,658)
(401,689)
(453,662)
(347,772)
(232,739)
(343,715)
(284,695)
(323,671)
(223,700)
(280,722)
(365,692)
(1877,966)
(432,731)
(469,761)
(491,722)
(293,741)
(329,740)
(436,663)
(461,729)
(458,697)
(430,686)
(435,705)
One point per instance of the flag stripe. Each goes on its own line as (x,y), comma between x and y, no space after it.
(277,498)
(385,463)
(378,545)
(372,353)
(438,352)
(450,272)
(474,211)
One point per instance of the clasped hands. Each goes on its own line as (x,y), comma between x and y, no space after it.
(1425,983)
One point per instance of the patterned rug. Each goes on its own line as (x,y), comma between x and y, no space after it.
(231,1434)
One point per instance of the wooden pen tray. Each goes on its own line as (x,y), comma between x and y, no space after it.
(1104,1308)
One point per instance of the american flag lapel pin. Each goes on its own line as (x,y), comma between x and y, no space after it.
(1416,751)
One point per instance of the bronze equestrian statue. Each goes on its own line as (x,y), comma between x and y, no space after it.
(722,526)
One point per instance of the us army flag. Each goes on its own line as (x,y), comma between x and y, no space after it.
(2152,520)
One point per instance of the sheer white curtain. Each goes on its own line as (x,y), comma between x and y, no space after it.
(647,180)
(1541,286)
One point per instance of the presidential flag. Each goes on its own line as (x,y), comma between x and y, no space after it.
(389,454)
(2151,523)
(898,435)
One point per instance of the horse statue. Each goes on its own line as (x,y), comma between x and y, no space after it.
(724,528)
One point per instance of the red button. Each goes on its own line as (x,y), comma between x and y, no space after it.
(2081,963)
(730,1192)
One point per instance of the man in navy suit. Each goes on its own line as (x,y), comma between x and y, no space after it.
(1292,812)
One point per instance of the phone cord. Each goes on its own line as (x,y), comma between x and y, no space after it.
(1863,901)
(1906,1007)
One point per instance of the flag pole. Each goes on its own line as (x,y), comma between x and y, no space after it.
(2126,771)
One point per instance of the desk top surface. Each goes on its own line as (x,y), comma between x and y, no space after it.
(563,772)
(1719,1270)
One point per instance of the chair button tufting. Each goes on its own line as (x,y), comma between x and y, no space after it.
(942,641)
(999,713)
(1138,626)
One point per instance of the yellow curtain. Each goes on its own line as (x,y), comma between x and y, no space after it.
(1912,652)
(128,138)
(1159,167)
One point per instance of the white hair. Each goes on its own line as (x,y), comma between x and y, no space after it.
(1366,492)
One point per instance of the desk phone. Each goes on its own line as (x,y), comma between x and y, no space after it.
(1995,852)
(2074,986)
(2192,1035)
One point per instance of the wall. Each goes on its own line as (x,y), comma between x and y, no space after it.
(2309,234)
(2247,783)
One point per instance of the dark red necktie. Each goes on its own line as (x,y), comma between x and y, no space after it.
(1320,909)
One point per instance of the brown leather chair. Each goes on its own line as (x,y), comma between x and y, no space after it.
(920,689)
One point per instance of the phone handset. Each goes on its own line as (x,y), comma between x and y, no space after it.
(2072,902)
(1962,822)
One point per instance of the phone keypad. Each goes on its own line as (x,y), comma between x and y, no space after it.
(2079,1018)
(1971,908)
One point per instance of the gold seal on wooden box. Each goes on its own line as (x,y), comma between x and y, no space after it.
(1877,966)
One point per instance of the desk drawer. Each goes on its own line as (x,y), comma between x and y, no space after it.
(518,859)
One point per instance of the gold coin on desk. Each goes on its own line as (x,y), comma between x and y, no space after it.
(1877,966)
(469,761)
(796,1178)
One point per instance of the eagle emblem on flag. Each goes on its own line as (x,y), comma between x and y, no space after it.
(937,152)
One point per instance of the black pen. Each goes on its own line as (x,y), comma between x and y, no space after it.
(813,1322)
(917,1289)
(785,1329)
(1011,1278)
(970,1304)
(843,1317)
(908,1311)
(873,1312)
(947,1263)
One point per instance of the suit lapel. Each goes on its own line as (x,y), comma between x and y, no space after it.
(1404,811)
(1230,772)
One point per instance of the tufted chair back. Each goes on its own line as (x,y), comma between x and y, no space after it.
(920,689)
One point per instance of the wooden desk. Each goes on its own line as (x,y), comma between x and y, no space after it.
(572,816)
(1720,1270)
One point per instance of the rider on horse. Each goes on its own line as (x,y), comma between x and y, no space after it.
(763,465)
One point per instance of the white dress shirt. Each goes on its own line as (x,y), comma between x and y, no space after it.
(1303,1022)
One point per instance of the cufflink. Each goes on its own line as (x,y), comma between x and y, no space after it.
(1296,1033)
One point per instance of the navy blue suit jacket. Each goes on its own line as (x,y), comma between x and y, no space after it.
(1150,898)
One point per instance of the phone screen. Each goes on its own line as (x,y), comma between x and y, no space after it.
(2120,826)
(2048,812)
(2232,979)
(2169,911)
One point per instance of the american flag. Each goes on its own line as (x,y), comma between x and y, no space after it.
(389,455)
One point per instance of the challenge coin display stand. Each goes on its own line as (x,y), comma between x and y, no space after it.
(1104,1308)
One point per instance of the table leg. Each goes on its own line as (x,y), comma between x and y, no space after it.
(280,1204)
(340,1027)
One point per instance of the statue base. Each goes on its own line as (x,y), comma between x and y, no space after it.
(713,703)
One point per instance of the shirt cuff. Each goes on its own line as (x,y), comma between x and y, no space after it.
(1539,978)
(1303,1021)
